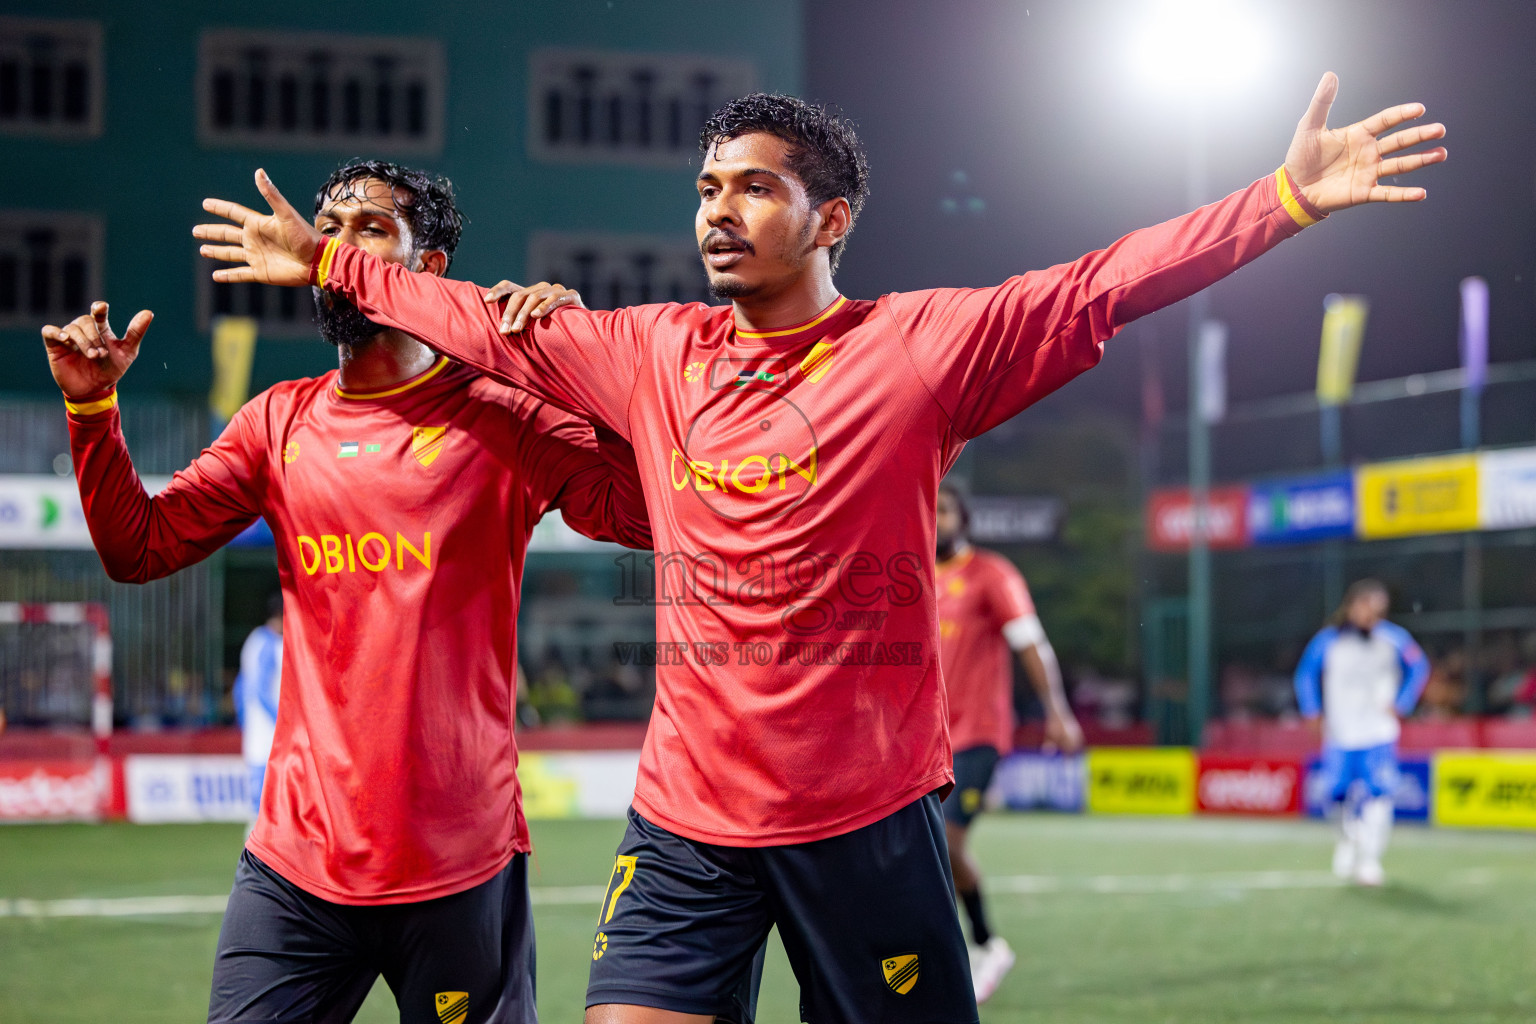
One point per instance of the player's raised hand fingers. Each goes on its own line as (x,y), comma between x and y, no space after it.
(1382,120)
(1316,117)
(269,192)
(1409,137)
(1395,194)
(54,337)
(499,291)
(80,335)
(227,253)
(232,211)
(136,328)
(234,275)
(1411,162)
(218,233)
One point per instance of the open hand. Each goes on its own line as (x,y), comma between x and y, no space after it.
(530,302)
(275,248)
(87,356)
(1337,168)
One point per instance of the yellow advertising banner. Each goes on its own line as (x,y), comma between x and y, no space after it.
(1338,356)
(1485,789)
(1141,780)
(547,791)
(1414,496)
(234,349)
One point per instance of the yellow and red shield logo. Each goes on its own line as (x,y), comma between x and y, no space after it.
(427,443)
(452,1007)
(900,972)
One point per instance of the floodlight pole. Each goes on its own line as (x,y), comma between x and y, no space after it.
(1198,305)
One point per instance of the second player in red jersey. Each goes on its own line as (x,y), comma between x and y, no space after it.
(402,490)
(986,618)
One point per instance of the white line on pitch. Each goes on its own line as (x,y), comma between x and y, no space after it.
(544,895)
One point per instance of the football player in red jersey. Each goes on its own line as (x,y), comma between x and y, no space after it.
(791,446)
(986,618)
(402,490)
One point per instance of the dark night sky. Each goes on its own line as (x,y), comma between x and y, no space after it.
(1032,102)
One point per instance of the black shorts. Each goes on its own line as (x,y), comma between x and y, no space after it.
(867,918)
(286,955)
(973,774)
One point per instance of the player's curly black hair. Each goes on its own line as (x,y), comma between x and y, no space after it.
(425,200)
(826,156)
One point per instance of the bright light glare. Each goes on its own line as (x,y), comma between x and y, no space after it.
(1204,46)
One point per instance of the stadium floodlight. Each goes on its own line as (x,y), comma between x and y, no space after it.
(1199,47)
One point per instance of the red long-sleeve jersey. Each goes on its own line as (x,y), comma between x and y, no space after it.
(790,477)
(402,518)
(979,592)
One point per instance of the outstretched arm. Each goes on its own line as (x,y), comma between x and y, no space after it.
(988,353)
(140,538)
(583,361)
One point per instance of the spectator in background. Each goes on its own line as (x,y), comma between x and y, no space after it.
(1361,673)
(256,689)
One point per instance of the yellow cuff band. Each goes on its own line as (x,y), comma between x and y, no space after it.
(1288,200)
(90,408)
(323,271)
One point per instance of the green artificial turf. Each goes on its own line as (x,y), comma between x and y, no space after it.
(1113,919)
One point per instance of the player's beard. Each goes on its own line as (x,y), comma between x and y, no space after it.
(728,286)
(342,323)
(947,546)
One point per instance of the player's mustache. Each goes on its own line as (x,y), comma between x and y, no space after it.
(716,234)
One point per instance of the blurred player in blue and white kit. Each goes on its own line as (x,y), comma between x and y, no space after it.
(256,689)
(1361,673)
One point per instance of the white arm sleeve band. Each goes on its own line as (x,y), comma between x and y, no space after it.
(1024,632)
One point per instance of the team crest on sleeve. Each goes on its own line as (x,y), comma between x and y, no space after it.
(427,443)
(452,1007)
(900,972)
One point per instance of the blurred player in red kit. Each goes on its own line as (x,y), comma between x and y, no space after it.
(791,445)
(986,618)
(402,490)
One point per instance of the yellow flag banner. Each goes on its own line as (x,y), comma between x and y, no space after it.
(1343,328)
(234,349)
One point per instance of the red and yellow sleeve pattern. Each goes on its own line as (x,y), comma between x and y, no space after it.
(320,263)
(93,404)
(1301,211)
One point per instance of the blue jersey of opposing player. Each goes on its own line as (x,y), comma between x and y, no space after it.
(256,692)
(1361,681)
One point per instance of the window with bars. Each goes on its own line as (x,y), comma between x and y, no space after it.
(50,77)
(634,108)
(278,312)
(50,266)
(619,270)
(316,91)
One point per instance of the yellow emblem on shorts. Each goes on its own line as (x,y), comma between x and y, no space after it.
(599,945)
(427,443)
(900,972)
(452,1007)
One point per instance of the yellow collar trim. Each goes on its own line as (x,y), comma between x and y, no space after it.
(442,364)
(795,330)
